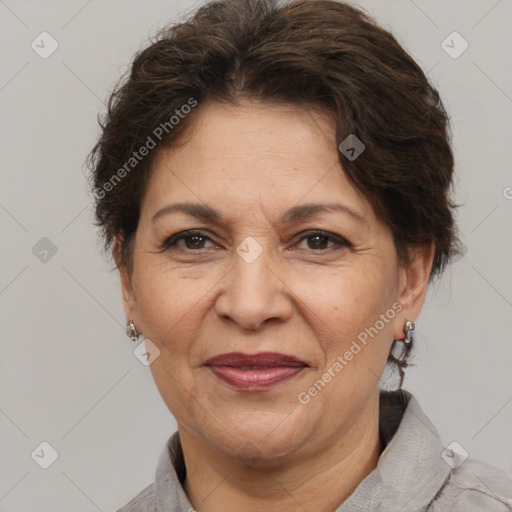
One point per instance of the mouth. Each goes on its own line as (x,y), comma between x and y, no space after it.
(255,372)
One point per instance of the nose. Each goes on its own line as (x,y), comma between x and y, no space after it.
(254,293)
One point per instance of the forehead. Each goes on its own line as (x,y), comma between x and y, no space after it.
(238,157)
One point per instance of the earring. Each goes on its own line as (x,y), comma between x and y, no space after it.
(131,332)
(409,326)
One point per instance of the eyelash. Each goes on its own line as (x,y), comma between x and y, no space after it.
(171,242)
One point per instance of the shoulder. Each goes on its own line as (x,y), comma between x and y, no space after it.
(472,487)
(143,502)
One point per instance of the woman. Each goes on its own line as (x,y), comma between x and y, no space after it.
(274,183)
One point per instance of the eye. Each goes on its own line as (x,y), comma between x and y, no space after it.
(193,240)
(321,238)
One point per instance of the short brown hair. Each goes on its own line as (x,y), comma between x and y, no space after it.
(321,53)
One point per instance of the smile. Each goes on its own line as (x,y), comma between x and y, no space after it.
(256,372)
(252,379)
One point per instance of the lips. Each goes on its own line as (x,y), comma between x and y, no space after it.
(255,372)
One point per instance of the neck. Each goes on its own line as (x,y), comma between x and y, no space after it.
(320,481)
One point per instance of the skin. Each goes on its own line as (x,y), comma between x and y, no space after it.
(303,296)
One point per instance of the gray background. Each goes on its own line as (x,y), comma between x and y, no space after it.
(67,372)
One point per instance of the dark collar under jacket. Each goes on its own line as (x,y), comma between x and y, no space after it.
(415,472)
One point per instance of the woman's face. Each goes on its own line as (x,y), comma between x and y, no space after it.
(267,275)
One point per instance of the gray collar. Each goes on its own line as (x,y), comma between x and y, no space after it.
(409,474)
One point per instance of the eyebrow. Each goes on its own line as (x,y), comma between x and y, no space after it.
(296,214)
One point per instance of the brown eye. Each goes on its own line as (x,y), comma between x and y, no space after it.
(194,240)
(318,240)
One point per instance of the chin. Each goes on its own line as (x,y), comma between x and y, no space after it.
(257,446)
(266,454)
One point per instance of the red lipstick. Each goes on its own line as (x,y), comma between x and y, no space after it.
(255,372)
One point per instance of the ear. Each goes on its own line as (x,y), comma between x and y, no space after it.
(413,282)
(125,275)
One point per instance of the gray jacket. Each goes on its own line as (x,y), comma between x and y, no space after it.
(415,472)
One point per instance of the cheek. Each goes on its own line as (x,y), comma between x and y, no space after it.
(169,306)
(168,303)
(354,319)
(346,306)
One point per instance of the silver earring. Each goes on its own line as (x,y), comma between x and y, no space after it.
(409,326)
(131,332)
